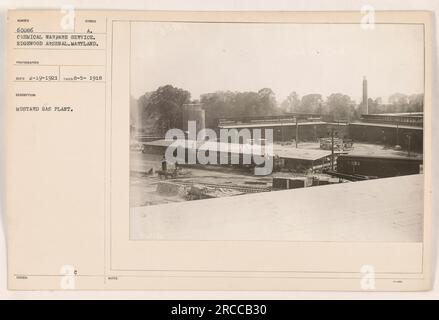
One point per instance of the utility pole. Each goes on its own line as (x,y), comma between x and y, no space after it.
(409,137)
(281,131)
(297,131)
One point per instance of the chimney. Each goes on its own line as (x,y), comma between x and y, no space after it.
(365,100)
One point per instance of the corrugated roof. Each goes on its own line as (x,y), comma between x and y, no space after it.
(268,125)
(385,125)
(392,157)
(287,152)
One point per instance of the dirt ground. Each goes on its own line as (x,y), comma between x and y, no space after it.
(143,187)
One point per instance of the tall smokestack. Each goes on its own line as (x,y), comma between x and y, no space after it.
(365,100)
(194,112)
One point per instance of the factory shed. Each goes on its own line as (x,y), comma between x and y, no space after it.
(288,130)
(292,158)
(302,159)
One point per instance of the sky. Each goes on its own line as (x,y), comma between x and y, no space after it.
(305,58)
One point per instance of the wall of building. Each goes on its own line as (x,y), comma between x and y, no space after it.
(307,132)
(387,135)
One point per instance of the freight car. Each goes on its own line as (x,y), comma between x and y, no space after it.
(378,166)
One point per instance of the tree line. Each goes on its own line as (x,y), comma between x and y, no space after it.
(160,110)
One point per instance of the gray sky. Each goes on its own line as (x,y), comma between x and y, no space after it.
(312,58)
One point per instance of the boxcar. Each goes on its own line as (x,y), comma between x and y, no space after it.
(378,166)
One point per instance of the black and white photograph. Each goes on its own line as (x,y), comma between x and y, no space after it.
(219,152)
(276,131)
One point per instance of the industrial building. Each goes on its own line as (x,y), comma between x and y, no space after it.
(399,129)
(299,126)
(286,157)
(404,130)
(396,129)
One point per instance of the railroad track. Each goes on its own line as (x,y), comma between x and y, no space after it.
(246,189)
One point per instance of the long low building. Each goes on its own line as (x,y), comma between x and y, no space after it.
(291,157)
(407,136)
(288,130)
(405,118)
